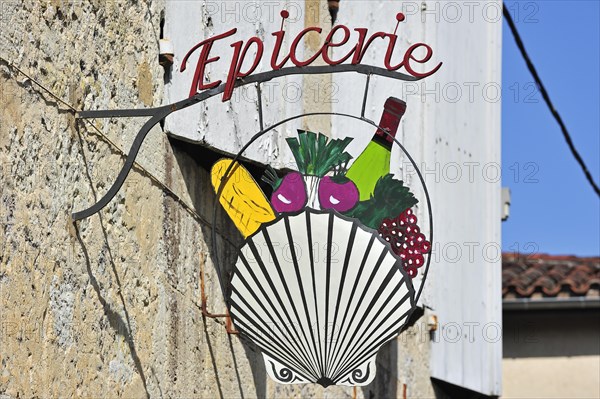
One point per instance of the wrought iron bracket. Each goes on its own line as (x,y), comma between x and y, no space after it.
(159,113)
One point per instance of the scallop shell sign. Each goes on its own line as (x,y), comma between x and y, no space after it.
(324,277)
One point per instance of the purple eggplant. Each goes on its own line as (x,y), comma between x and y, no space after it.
(338,194)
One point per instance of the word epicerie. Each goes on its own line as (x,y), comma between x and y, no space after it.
(278,61)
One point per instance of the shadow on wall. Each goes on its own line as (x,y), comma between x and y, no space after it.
(385,384)
(197,179)
(117,323)
(445,390)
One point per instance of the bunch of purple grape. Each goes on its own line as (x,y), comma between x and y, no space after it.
(406,240)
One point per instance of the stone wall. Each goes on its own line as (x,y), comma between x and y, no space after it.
(111,306)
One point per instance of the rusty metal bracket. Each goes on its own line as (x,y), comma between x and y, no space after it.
(204,303)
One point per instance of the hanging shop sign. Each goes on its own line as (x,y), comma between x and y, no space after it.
(324,275)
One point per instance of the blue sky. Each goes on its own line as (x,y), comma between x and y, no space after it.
(554,210)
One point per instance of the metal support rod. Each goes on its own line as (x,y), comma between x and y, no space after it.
(125,169)
(365,95)
(259,77)
(204,303)
(229,325)
(260,110)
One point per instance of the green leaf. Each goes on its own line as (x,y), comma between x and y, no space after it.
(322,143)
(307,145)
(270,177)
(297,153)
(390,198)
(316,154)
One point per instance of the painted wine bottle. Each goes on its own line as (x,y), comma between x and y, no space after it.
(374,162)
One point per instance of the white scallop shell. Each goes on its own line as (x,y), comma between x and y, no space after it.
(319,294)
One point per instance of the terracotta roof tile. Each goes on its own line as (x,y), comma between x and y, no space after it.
(549,276)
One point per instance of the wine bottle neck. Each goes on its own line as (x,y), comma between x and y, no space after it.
(383,140)
(393,111)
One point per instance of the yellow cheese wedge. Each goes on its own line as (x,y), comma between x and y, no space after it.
(241,196)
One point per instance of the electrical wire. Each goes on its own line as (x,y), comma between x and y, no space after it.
(546,97)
